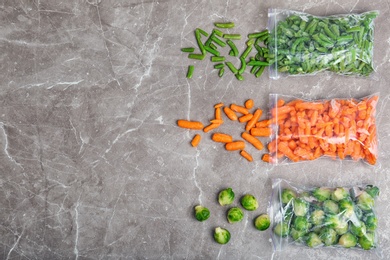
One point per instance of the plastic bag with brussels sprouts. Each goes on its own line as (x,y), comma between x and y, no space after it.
(342,217)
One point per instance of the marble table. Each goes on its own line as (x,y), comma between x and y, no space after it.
(93,165)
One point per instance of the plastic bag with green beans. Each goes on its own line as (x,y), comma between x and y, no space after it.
(302,44)
(321,216)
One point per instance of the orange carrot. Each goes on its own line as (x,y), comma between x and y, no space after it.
(210,127)
(195,141)
(252,140)
(263,123)
(266,158)
(246,155)
(222,138)
(251,123)
(309,105)
(230,113)
(245,118)
(280,103)
(236,145)
(239,109)
(194,125)
(249,104)
(218,105)
(218,113)
(265,131)
(216,121)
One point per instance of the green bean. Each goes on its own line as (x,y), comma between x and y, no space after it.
(198,40)
(239,77)
(196,56)
(217,58)
(254,69)
(189,49)
(233,47)
(231,67)
(246,52)
(224,25)
(202,32)
(232,36)
(212,46)
(211,50)
(259,71)
(218,41)
(219,66)
(243,66)
(257,63)
(258,34)
(218,32)
(190,71)
(221,72)
(250,42)
(344,39)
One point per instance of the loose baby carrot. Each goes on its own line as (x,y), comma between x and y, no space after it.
(222,138)
(236,145)
(245,118)
(264,131)
(239,109)
(251,123)
(194,125)
(246,155)
(252,140)
(263,123)
(210,127)
(195,141)
(218,105)
(249,104)
(266,158)
(216,121)
(230,113)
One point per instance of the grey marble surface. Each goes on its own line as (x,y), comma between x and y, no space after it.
(93,165)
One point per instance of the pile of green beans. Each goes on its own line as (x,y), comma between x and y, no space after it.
(306,44)
(211,43)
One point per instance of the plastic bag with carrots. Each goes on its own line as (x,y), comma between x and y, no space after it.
(337,128)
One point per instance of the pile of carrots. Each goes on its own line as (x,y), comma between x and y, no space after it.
(337,128)
(253,127)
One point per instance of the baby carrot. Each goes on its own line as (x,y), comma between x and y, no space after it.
(210,127)
(222,138)
(236,145)
(218,105)
(239,109)
(216,121)
(249,104)
(309,105)
(230,113)
(195,141)
(264,131)
(266,158)
(251,123)
(264,123)
(280,102)
(245,118)
(218,113)
(252,140)
(194,125)
(246,155)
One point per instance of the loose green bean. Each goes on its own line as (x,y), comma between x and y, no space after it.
(217,58)
(243,66)
(190,71)
(219,66)
(224,25)
(232,36)
(189,49)
(233,48)
(196,56)
(231,67)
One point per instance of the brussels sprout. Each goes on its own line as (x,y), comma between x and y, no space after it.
(201,213)
(367,241)
(249,202)
(328,236)
(347,240)
(330,207)
(358,212)
(373,191)
(339,194)
(221,235)
(235,215)
(322,194)
(334,221)
(358,228)
(317,217)
(342,227)
(313,240)
(306,196)
(282,229)
(297,234)
(346,208)
(371,221)
(301,207)
(288,195)
(365,201)
(262,222)
(226,197)
(301,224)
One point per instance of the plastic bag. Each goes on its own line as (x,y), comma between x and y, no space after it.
(338,128)
(301,43)
(323,216)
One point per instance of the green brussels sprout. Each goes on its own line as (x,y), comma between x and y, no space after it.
(371,221)
(282,229)
(201,213)
(301,224)
(297,234)
(367,241)
(334,221)
(249,202)
(358,212)
(358,228)
(373,191)
(300,207)
(330,207)
(346,208)
(221,235)
(347,240)
(288,195)
(235,215)
(262,222)
(317,217)
(365,201)
(322,194)
(226,197)
(305,195)
(339,194)
(342,227)
(313,240)
(328,236)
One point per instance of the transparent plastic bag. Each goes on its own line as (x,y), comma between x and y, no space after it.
(315,217)
(337,128)
(302,44)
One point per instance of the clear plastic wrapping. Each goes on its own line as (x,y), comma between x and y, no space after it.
(314,217)
(337,128)
(303,44)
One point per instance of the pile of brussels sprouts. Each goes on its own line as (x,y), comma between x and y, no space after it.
(327,217)
(234,214)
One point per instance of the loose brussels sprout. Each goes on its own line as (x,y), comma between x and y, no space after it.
(365,201)
(235,215)
(347,240)
(339,194)
(301,224)
(313,240)
(317,217)
(282,229)
(373,191)
(226,197)
(221,235)
(371,221)
(249,202)
(301,207)
(367,241)
(346,208)
(262,222)
(328,236)
(297,234)
(288,195)
(201,213)
(330,207)
(358,228)
(322,194)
